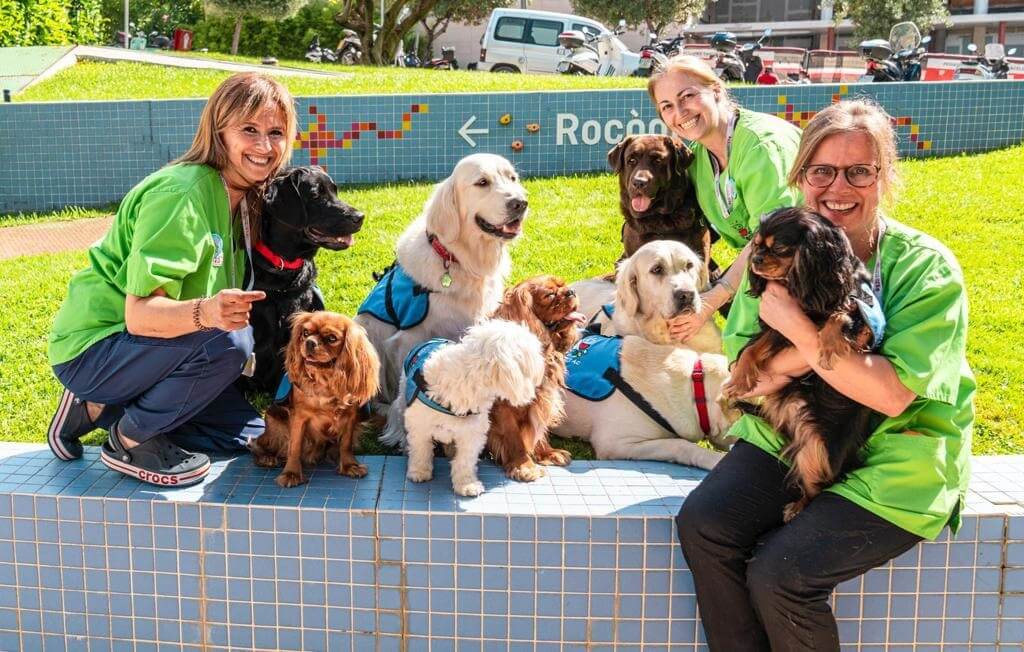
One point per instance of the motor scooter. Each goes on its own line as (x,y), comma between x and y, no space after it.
(318,54)
(444,62)
(735,63)
(896,59)
(656,53)
(350,48)
(990,65)
(601,54)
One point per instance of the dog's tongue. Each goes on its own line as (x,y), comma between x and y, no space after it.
(641,203)
(578,318)
(347,240)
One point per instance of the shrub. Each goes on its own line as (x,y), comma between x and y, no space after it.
(285,39)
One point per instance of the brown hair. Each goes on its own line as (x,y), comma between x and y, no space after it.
(850,117)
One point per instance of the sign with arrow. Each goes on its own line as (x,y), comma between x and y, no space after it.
(466,132)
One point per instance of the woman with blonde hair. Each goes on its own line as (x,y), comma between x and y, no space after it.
(741,159)
(155,331)
(764,584)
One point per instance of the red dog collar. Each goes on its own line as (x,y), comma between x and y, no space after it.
(447,256)
(699,397)
(276,260)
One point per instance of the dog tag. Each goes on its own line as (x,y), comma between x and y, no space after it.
(446,279)
(250,366)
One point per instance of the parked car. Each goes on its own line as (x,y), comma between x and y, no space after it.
(526,40)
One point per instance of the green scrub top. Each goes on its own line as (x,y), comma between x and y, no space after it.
(916,465)
(762,152)
(173,231)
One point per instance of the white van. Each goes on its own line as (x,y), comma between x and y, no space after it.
(526,40)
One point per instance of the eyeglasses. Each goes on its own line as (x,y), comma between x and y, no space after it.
(861,175)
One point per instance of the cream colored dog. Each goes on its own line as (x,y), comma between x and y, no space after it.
(457,251)
(449,389)
(660,281)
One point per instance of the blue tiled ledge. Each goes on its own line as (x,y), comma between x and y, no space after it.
(583,559)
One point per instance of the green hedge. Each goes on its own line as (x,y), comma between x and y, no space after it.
(51,22)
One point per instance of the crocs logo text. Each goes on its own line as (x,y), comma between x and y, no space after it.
(156,478)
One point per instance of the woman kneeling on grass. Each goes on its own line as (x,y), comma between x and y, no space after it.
(762,584)
(155,331)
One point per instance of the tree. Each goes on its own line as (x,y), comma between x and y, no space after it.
(239,9)
(472,12)
(380,41)
(655,14)
(874,18)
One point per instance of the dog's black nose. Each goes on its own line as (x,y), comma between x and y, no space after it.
(757,259)
(356,217)
(516,206)
(684,298)
(570,293)
(310,345)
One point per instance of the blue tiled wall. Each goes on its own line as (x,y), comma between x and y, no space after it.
(584,559)
(88,153)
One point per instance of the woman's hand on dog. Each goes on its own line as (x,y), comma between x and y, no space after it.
(783,313)
(684,327)
(229,309)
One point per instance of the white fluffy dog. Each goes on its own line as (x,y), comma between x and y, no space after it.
(451,261)
(448,390)
(660,281)
(663,279)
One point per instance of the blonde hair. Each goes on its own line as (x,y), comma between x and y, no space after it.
(237,99)
(694,67)
(851,117)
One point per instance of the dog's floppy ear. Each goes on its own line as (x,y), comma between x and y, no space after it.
(444,214)
(627,289)
(357,368)
(293,350)
(616,155)
(820,269)
(681,155)
(517,306)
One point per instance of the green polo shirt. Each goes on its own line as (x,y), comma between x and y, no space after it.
(172,231)
(916,481)
(762,152)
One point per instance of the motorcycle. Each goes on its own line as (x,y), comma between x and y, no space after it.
(601,54)
(445,62)
(896,59)
(990,65)
(350,48)
(735,63)
(317,54)
(657,53)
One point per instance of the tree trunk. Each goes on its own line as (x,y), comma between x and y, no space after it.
(237,35)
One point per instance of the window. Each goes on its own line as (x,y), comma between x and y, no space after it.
(545,32)
(510,29)
(586,29)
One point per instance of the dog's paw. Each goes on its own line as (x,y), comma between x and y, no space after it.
(289,479)
(469,489)
(419,475)
(555,456)
(792,509)
(267,461)
(353,470)
(527,472)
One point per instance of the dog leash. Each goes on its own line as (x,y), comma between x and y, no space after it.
(700,398)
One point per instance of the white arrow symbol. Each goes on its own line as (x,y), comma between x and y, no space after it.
(465,131)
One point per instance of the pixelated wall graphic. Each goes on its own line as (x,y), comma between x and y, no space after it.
(318,138)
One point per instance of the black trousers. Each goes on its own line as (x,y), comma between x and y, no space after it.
(763,585)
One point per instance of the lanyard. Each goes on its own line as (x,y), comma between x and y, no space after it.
(726,200)
(244,210)
(876,276)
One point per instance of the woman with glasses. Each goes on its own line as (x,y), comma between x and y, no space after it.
(741,159)
(762,584)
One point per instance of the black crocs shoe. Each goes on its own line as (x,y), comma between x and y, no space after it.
(156,461)
(69,423)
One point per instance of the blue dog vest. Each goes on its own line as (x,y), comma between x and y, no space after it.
(415,385)
(397,299)
(594,326)
(593,372)
(871,310)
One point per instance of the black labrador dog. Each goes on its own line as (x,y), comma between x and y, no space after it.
(301,213)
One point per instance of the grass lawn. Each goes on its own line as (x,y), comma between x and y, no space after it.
(975,204)
(64,215)
(90,80)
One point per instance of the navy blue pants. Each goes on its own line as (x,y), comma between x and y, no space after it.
(182,387)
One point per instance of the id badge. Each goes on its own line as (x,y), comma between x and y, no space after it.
(250,366)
